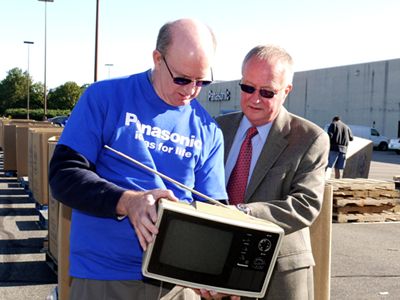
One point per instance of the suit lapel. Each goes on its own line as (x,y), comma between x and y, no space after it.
(276,142)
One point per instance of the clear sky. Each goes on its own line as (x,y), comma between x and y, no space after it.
(317,33)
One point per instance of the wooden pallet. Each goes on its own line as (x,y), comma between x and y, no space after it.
(361,184)
(368,209)
(342,193)
(386,216)
(364,200)
(341,202)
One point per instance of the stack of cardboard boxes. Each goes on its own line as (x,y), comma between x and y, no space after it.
(59,229)
(15,145)
(28,146)
(38,158)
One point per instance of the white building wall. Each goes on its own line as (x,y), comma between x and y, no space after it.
(221,97)
(365,94)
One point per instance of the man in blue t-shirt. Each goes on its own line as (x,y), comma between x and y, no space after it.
(154,118)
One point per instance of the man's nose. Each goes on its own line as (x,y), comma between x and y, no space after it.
(191,87)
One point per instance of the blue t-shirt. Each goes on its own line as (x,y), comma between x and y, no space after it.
(182,142)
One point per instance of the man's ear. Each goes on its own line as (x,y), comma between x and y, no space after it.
(288,89)
(157,57)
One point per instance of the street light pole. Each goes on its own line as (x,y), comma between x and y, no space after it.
(96,41)
(45,54)
(109,67)
(28,81)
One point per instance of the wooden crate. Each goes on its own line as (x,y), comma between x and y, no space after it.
(385,216)
(364,200)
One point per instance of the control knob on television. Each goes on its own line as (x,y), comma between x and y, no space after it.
(259,263)
(264,245)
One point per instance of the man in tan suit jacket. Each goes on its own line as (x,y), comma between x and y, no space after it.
(286,180)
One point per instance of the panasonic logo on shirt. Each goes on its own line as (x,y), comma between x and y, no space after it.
(157,132)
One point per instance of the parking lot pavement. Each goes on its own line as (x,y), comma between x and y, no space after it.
(365,256)
(365,261)
(384,165)
(24,273)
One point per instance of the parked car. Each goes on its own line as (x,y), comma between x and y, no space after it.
(394,144)
(59,120)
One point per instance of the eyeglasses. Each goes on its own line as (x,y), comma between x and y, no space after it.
(251,89)
(186,81)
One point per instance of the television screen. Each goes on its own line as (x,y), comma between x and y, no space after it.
(195,247)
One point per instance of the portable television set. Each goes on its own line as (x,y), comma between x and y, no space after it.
(212,247)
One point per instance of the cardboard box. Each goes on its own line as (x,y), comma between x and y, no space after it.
(3,122)
(59,231)
(38,162)
(64,229)
(9,129)
(22,145)
(10,145)
(53,216)
(321,242)
(10,160)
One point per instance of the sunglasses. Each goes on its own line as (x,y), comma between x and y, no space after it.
(186,81)
(263,92)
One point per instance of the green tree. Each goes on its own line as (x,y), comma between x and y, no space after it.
(36,96)
(13,89)
(65,96)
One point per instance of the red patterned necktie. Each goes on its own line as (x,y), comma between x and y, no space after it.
(237,183)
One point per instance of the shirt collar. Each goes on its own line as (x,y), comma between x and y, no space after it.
(245,124)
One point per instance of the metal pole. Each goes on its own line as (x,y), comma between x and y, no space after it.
(45,55)
(109,67)
(45,60)
(96,40)
(28,81)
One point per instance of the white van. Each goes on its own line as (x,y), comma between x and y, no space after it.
(380,142)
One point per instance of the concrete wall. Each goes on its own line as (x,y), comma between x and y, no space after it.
(365,94)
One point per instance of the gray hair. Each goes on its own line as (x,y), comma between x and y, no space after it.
(272,53)
(164,38)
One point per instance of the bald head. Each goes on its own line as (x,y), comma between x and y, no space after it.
(196,38)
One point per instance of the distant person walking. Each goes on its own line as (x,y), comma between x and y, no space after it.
(340,135)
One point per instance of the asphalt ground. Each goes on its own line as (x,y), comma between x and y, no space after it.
(24,272)
(365,256)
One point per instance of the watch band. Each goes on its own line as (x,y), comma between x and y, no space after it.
(243,208)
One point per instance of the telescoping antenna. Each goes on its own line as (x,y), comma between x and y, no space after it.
(209,199)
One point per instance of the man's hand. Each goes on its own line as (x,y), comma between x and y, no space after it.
(213,295)
(140,207)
